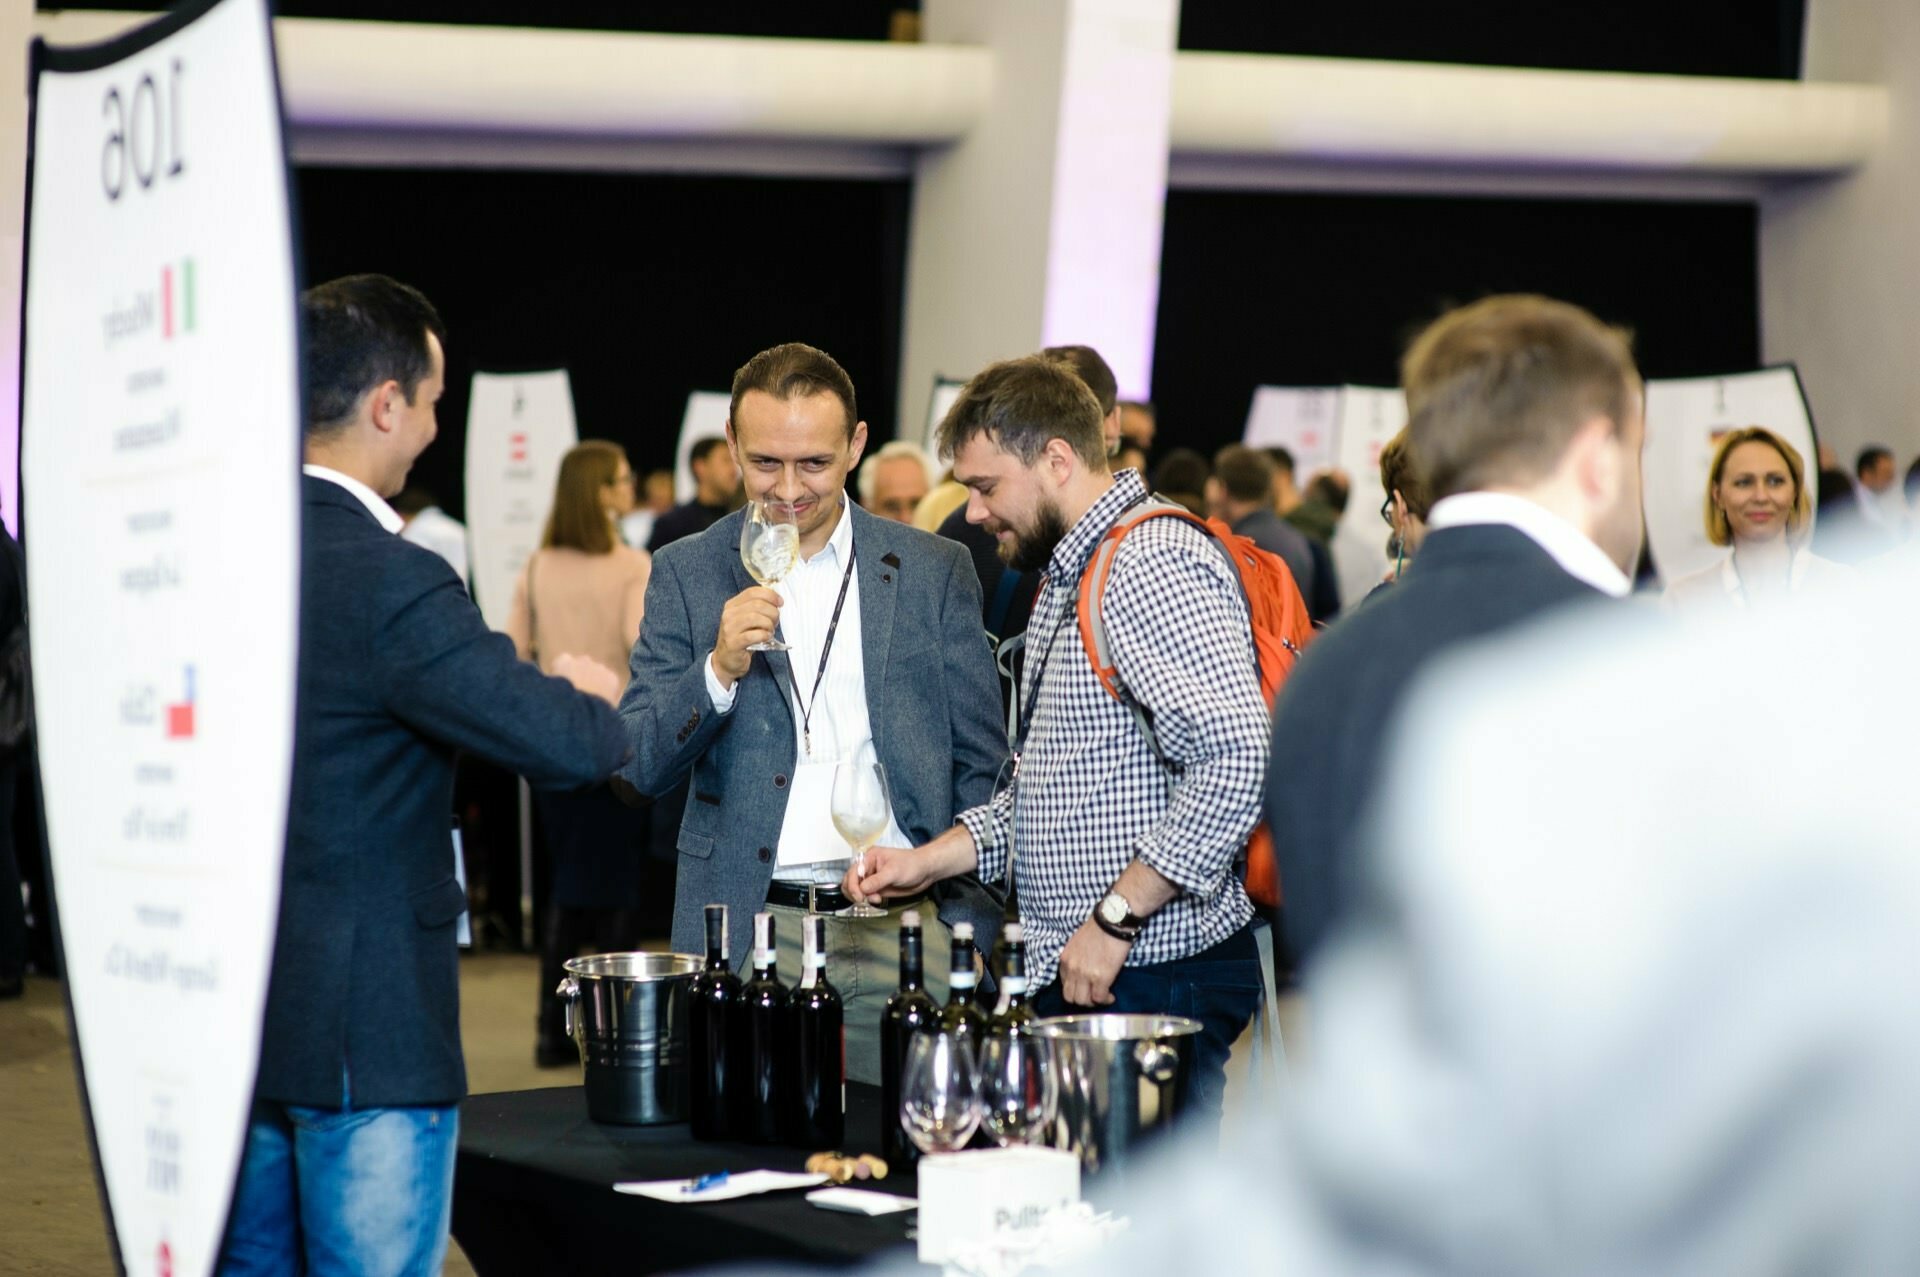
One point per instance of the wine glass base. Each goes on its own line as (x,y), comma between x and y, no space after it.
(861,911)
(771,645)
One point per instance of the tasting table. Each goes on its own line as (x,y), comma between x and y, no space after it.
(533,1192)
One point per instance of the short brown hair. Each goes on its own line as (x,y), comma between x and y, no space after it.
(1497,390)
(1093,370)
(578,521)
(1719,531)
(794,370)
(1022,405)
(1247,475)
(1398,473)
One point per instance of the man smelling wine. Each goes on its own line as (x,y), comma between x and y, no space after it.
(884,652)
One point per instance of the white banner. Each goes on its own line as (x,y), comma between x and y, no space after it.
(1369,417)
(1302,419)
(1685,421)
(944,394)
(162,422)
(519,426)
(705,418)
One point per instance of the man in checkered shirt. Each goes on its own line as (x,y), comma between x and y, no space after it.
(1124,867)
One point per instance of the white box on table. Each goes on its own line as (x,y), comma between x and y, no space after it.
(967,1197)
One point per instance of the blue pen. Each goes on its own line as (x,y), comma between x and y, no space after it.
(705,1182)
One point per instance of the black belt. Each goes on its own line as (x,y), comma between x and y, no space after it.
(800,895)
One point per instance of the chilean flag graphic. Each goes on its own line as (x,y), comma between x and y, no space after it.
(180,714)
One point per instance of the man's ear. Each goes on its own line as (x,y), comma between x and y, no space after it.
(1598,457)
(384,401)
(858,444)
(1060,458)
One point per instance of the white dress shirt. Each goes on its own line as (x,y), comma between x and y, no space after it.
(436,530)
(1577,556)
(839,724)
(378,508)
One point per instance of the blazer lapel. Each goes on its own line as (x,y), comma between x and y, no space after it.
(877,555)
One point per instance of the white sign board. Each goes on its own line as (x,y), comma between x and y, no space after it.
(1685,421)
(1302,419)
(945,392)
(705,418)
(519,426)
(161,423)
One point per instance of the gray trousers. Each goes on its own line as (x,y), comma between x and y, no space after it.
(863,966)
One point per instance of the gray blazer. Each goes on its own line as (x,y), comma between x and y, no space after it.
(932,696)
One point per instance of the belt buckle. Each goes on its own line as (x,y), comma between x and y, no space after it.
(813,895)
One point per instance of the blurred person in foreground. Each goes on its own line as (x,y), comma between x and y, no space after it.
(886,650)
(1756,503)
(1239,493)
(584,591)
(1125,845)
(1608,1003)
(894,480)
(1526,416)
(348,1165)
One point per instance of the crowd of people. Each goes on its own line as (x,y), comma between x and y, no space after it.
(1101,794)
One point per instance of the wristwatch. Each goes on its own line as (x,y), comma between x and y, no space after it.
(1115,916)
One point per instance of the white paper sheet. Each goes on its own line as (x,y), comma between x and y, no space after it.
(745,1184)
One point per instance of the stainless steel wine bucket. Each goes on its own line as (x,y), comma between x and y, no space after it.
(627,1014)
(1120,1078)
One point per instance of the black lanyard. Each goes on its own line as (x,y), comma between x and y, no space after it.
(826,649)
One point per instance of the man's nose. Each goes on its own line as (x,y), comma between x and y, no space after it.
(976,508)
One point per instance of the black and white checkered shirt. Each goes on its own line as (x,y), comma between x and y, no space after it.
(1089,797)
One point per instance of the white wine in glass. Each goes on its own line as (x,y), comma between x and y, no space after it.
(860,812)
(769,547)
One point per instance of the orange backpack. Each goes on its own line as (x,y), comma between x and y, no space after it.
(1281,629)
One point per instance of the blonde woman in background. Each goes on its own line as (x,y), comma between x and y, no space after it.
(1757,503)
(584,591)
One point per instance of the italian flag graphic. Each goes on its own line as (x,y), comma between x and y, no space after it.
(176,298)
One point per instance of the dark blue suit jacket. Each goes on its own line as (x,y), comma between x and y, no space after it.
(1336,709)
(397,671)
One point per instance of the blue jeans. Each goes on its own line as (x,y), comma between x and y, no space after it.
(1220,987)
(367,1192)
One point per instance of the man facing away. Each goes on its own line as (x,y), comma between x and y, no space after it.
(1123,864)
(885,649)
(1526,416)
(716,480)
(1240,493)
(349,1158)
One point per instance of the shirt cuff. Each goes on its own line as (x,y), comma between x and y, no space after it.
(722,697)
(989,862)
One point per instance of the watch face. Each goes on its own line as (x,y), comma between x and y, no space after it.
(1114,910)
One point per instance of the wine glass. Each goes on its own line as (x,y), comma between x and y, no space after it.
(1017,1091)
(769,547)
(939,1092)
(860,812)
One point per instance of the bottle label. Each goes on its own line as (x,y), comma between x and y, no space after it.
(817,960)
(763,957)
(962,980)
(1014,984)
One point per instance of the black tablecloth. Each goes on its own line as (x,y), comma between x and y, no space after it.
(533,1193)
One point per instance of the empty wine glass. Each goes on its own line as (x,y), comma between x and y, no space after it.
(939,1092)
(769,547)
(860,812)
(1017,1089)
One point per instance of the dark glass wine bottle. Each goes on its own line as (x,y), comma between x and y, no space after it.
(963,1016)
(1014,1013)
(907,1012)
(714,993)
(819,1038)
(757,1049)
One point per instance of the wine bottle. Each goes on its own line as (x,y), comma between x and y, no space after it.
(963,1016)
(714,993)
(1014,1013)
(907,1012)
(819,1047)
(758,1044)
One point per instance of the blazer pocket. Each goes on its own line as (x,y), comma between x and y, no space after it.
(692,844)
(440,904)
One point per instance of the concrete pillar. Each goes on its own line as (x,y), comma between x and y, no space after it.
(1042,226)
(16,28)
(1840,258)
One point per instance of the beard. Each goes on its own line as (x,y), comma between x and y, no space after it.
(1031,549)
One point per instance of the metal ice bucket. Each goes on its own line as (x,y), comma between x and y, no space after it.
(627,1014)
(1120,1078)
